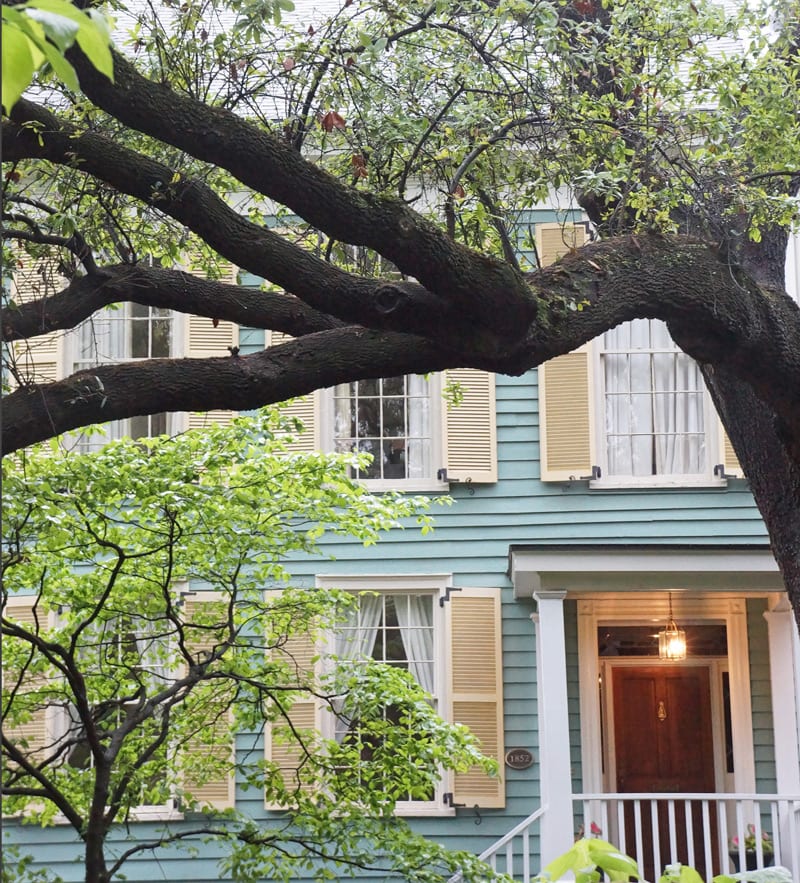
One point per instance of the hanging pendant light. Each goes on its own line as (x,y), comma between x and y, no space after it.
(672,640)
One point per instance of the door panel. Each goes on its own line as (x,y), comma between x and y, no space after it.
(663,744)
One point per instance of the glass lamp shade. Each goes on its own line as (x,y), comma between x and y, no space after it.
(672,642)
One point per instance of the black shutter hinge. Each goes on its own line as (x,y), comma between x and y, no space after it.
(447,592)
(597,472)
(449,800)
(719,472)
(441,475)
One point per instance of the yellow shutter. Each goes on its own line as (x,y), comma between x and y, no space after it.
(31,736)
(565,393)
(555,240)
(726,455)
(206,340)
(280,745)
(470,427)
(566,417)
(305,409)
(214,738)
(38,359)
(476,688)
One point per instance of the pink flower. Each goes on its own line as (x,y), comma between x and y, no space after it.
(595,829)
(735,841)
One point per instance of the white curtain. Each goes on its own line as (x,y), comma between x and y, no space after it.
(654,403)
(101,340)
(678,409)
(418,455)
(343,405)
(415,618)
(629,418)
(355,639)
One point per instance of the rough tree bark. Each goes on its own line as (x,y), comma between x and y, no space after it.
(728,312)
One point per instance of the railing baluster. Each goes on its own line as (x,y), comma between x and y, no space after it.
(637,819)
(688,816)
(621,826)
(722,821)
(673,838)
(740,833)
(510,858)
(526,856)
(657,864)
(708,854)
(777,838)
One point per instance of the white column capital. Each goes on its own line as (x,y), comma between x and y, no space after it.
(550,595)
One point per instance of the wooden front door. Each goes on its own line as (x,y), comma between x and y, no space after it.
(663,743)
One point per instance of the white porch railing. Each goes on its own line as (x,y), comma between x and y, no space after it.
(695,829)
(707,831)
(516,853)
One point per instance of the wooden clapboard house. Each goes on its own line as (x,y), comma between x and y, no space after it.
(595,500)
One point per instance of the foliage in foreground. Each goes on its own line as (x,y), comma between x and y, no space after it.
(591,858)
(157,632)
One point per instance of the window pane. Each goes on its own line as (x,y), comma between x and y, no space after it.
(162,338)
(394,417)
(368,387)
(394,386)
(140,333)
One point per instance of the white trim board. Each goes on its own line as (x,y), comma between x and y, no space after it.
(580,570)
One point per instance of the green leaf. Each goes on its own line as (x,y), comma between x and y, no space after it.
(61,67)
(92,37)
(60,29)
(18,65)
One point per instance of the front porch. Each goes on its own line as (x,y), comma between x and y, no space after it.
(672,761)
(694,829)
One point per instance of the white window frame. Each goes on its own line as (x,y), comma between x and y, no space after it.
(432,482)
(175,421)
(436,586)
(675,480)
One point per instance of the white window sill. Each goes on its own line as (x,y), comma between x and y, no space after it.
(410,485)
(416,810)
(656,481)
(145,814)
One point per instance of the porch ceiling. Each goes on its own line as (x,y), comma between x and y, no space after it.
(637,569)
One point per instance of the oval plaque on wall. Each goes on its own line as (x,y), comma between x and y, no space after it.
(519,758)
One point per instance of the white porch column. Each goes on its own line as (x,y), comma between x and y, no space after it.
(784,669)
(554,763)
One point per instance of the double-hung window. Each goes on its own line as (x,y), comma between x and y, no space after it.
(629,408)
(396,629)
(390,419)
(128,333)
(654,405)
(448,640)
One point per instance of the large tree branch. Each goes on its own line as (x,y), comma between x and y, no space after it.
(168,289)
(36,412)
(403,306)
(715,312)
(482,287)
